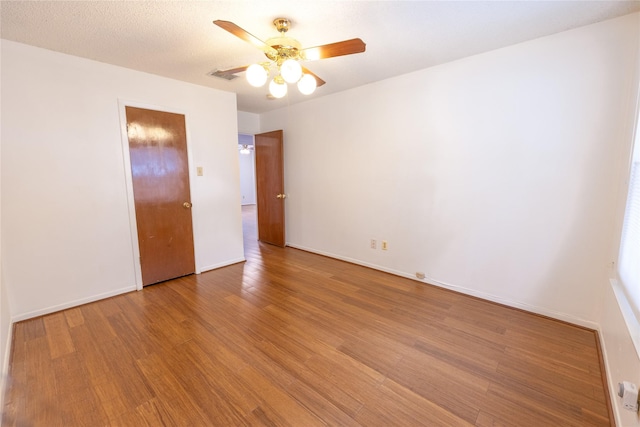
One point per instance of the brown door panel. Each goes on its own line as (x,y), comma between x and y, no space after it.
(160,174)
(270,187)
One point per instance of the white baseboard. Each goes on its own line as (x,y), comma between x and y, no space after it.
(4,374)
(611,385)
(522,306)
(489,297)
(41,312)
(222,264)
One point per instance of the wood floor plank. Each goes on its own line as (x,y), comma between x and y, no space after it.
(517,406)
(114,404)
(320,406)
(58,337)
(178,402)
(442,383)
(290,338)
(399,406)
(30,329)
(74,317)
(281,408)
(151,413)
(222,379)
(322,386)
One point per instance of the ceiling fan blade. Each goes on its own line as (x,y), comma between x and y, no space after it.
(233,70)
(243,34)
(346,47)
(229,74)
(319,81)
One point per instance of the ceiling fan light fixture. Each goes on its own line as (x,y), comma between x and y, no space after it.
(307,84)
(277,87)
(284,53)
(244,149)
(257,75)
(291,71)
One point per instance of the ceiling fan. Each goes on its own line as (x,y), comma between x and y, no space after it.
(284,54)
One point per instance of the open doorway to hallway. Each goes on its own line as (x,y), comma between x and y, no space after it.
(249,228)
(246,153)
(262,182)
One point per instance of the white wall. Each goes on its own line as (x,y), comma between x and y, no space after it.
(496,175)
(5,339)
(247,178)
(5,325)
(66,237)
(248,123)
(5,310)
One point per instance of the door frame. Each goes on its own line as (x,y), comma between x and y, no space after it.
(126,158)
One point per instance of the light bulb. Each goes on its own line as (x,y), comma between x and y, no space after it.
(291,71)
(307,84)
(277,87)
(256,75)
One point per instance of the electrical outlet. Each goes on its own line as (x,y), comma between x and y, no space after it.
(384,245)
(374,244)
(629,394)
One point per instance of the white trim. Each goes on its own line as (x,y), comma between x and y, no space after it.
(489,297)
(122,103)
(515,304)
(126,158)
(193,176)
(75,303)
(630,319)
(611,384)
(4,375)
(631,133)
(222,264)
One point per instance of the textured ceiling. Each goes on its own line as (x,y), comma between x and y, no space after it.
(178,40)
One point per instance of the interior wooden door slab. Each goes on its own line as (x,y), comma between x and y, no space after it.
(270,197)
(160,176)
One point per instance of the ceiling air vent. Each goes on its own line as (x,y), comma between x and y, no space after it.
(221,74)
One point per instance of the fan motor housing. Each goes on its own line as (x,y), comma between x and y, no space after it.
(286,48)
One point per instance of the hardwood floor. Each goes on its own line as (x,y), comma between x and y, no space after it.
(292,338)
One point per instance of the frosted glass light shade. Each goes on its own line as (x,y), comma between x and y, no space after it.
(256,75)
(307,84)
(278,90)
(291,71)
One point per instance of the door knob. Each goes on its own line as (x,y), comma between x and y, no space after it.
(187,205)
(281,196)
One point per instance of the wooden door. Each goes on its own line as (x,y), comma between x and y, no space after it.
(270,194)
(160,175)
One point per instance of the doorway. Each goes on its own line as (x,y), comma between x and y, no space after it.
(262,182)
(270,195)
(246,156)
